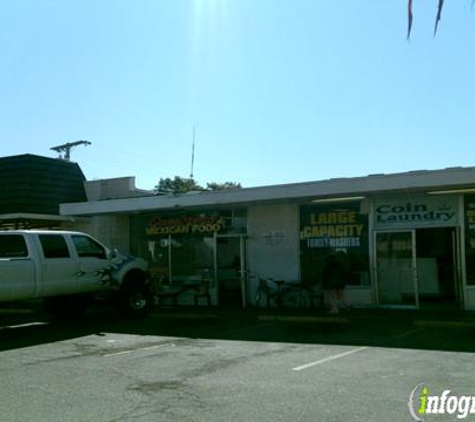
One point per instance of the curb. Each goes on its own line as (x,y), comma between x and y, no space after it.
(443,324)
(183,316)
(304,319)
(13,311)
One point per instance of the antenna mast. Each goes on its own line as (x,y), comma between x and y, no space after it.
(193,153)
(66,148)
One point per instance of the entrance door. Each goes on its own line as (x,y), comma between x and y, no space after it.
(229,271)
(437,275)
(396,269)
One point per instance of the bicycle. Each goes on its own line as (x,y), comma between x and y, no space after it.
(290,295)
(263,291)
(285,294)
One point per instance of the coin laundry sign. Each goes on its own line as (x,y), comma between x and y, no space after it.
(422,212)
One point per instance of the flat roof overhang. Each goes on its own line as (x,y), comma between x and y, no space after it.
(426,181)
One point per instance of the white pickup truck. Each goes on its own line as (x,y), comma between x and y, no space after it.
(67,269)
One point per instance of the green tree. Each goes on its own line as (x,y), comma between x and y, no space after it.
(223,186)
(178,185)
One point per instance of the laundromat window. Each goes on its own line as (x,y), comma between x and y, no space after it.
(328,229)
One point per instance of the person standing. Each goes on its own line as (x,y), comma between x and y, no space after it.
(334,278)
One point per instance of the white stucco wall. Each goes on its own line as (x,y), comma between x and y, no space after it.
(113,231)
(470,298)
(273,243)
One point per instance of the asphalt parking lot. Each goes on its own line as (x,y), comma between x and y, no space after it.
(212,365)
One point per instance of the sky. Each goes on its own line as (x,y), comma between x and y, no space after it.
(276,91)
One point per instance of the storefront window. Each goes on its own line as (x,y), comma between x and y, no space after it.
(180,245)
(191,257)
(327,229)
(470,238)
(158,256)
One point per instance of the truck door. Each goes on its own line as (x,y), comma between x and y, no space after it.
(59,269)
(17,269)
(92,258)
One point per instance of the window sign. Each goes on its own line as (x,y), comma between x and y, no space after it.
(328,229)
(407,212)
(274,237)
(185,224)
(334,228)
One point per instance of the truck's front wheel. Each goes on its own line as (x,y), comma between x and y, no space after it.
(136,301)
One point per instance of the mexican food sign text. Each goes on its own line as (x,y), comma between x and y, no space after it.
(198,224)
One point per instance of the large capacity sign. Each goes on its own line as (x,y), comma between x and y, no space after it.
(338,228)
(185,225)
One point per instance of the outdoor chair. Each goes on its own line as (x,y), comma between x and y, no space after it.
(315,296)
(203,292)
(168,293)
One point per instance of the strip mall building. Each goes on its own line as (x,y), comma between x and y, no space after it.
(409,237)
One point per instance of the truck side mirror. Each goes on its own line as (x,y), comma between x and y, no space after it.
(114,253)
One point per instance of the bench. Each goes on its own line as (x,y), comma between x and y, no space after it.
(169,293)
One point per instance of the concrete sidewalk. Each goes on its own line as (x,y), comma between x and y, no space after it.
(417,318)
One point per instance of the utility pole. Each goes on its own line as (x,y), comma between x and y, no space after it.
(66,148)
(192,154)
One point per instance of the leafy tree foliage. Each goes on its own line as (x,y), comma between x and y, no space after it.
(223,186)
(177,185)
(180,185)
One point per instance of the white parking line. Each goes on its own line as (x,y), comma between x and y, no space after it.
(125,352)
(330,358)
(27,324)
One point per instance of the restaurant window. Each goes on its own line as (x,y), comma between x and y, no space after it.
(180,245)
(191,257)
(158,257)
(328,229)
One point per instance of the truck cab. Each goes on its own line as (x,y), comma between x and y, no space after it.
(60,265)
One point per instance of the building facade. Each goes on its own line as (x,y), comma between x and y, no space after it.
(408,238)
(31,189)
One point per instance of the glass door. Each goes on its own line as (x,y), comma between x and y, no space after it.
(230,256)
(396,269)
